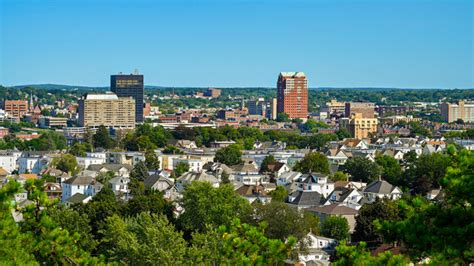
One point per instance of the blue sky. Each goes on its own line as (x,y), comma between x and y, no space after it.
(419,44)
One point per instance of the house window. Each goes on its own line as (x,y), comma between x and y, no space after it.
(78,187)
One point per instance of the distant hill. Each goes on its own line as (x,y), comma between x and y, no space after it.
(154,87)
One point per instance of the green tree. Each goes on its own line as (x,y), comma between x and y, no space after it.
(209,206)
(66,163)
(358,255)
(443,231)
(342,133)
(335,227)
(365,229)
(139,171)
(102,138)
(283,117)
(230,155)
(339,176)
(180,168)
(279,194)
(79,149)
(267,160)
(239,244)
(428,172)
(225,178)
(313,162)
(104,177)
(151,160)
(281,218)
(145,239)
(391,169)
(362,169)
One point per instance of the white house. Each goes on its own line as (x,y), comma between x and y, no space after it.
(85,185)
(119,185)
(287,178)
(31,164)
(84,162)
(195,165)
(315,182)
(381,189)
(189,177)
(319,250)
(8,161)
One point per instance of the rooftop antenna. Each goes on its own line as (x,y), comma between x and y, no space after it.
(135,72)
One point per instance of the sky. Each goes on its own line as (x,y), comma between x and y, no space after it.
(239,43)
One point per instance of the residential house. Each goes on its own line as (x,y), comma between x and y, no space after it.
(158,182)
(84,162)
(278,168)
(53,190)
(32,162)
(119,185)
(287,178)
(318,251)
(315,182)
(77,199)
(128,157)
(349,197)
(185,144)
(86,185)
(118,169)
(189,177)
(334,209)
(381,189)
(247,174)
(254,193)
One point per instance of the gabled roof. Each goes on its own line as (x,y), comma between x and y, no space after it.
(3,172)
(109,166)
(275,166)
(251,190)
(77,198)
(334,209)
(153,179)
(305,198)
(119,179)
(244,168)
(29,176)
(379,187)
(202,176)
(79,180)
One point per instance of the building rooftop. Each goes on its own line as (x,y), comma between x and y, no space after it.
(292,74)
(101,96)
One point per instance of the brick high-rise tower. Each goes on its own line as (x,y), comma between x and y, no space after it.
(292,94)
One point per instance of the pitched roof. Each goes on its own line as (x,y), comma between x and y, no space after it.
(305,198)
(109,166)
(275,166)
(379,187)
(153,179)
(202,176)
(334,209)
(29,176)
(79,180)
(251,190)
(77,198)
(244,168)
(3,171)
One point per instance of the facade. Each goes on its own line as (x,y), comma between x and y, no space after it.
(106,110)
(334,107)
(451,112)
(292,94)
(367,110)
(130,86)
(52,122)
(16,109)
(212,92)
(359,126)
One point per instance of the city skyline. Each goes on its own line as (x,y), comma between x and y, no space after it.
(216,44)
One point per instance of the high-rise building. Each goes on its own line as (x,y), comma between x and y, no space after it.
(16,108)
(367,110)
(106,110)
(359,127)
(451,112)
(130,86)
(257,107)
(292,91)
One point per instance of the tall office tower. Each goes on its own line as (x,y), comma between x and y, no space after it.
(106,109)
(130,86)
(462,110)
(292,90)
(367,110)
